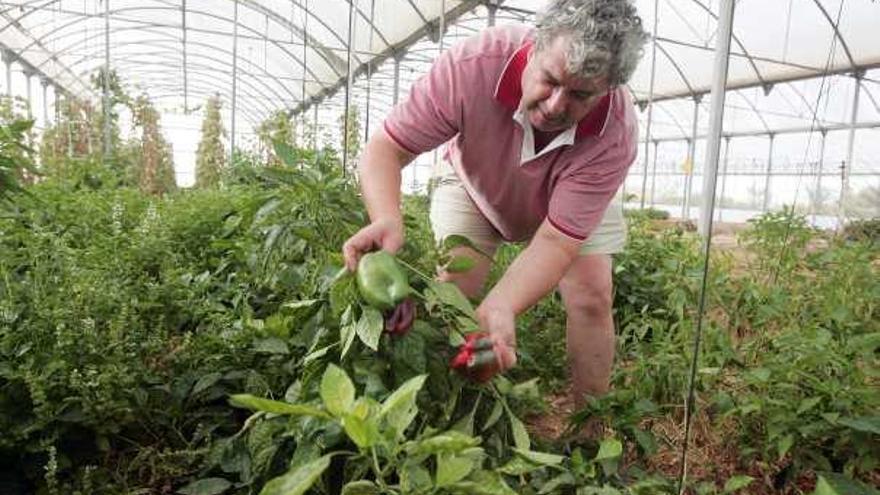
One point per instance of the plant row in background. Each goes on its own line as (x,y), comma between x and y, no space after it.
(128,321)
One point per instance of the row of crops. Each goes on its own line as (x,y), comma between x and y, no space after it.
(205,342)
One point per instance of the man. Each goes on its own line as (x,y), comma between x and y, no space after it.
(541,135)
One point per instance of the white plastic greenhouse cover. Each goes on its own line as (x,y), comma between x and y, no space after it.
(285,43)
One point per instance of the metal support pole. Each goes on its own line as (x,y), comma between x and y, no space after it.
(850,143)
(724,176)
(817,191)
(29,92)
(45,83)
(7,61)
(692,152)
(369,73)
(493,10)
(348,83)
(305,64)
(108,145)
(650,99)
(183,48)
(315,131)
(654,170)
(396,93)
(767,177)
(234,81)
(713,145)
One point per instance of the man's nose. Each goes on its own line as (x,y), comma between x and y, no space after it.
(556,102)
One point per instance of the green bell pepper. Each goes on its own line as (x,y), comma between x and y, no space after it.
(381,280)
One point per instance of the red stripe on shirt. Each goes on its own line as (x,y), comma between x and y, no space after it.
(566,231)
(397,140)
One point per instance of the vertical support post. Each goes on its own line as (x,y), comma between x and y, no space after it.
(723,176)
(654,170)
(45,83)
(820,166)
(108,145)
(305,64)
(493,10)
(692,152)
(850,143)
(768,175)
(348,83)
(183,48)
(315,131)
(370,72)
(234,81)
(650,99)
(713,144)
(7,62)
(396,93)
(28,75)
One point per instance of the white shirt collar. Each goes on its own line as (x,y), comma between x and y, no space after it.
(528,143)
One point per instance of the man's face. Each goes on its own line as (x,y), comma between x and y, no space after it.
(553,99)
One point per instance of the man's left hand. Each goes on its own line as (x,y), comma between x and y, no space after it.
(499,323)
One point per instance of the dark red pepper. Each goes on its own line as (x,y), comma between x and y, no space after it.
(400,319)
(476,358)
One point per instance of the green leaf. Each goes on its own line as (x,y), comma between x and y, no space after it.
(518,466)
(305,303)
(271,345)
(452,468)
(609,454)
(337,391)
(460,264)
(362,487)
(253,403)
(449,294)
(541,458)
(494,416)
(737,483)
(285,153)
(520,435)
(399,409)
(453,241)
(347,331)
(370,326)
(414,478)
(553,486)
(837,484)
(449,441)
(206,382)
(362,431)
(297,481)
(206,486)
(808,404)
(784,445)
(483,483)
(867,424)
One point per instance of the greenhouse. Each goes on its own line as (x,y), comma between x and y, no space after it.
(191,191)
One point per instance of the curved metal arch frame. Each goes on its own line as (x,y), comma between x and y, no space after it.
(837,34)
(170,39)
(735,38)
(46,37)
(258,97)
(208,88)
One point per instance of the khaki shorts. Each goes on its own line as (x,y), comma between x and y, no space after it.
(453,212)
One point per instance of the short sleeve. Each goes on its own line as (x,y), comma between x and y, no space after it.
(432,113)
(578,201)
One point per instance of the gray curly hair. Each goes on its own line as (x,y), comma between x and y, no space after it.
(605,36)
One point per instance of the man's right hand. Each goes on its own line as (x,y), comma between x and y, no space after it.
(384,233)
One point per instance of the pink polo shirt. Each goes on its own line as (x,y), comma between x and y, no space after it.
(469,99)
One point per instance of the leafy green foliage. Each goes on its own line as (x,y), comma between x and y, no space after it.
(210,154)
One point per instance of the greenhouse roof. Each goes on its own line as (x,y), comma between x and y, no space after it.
(293,52)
